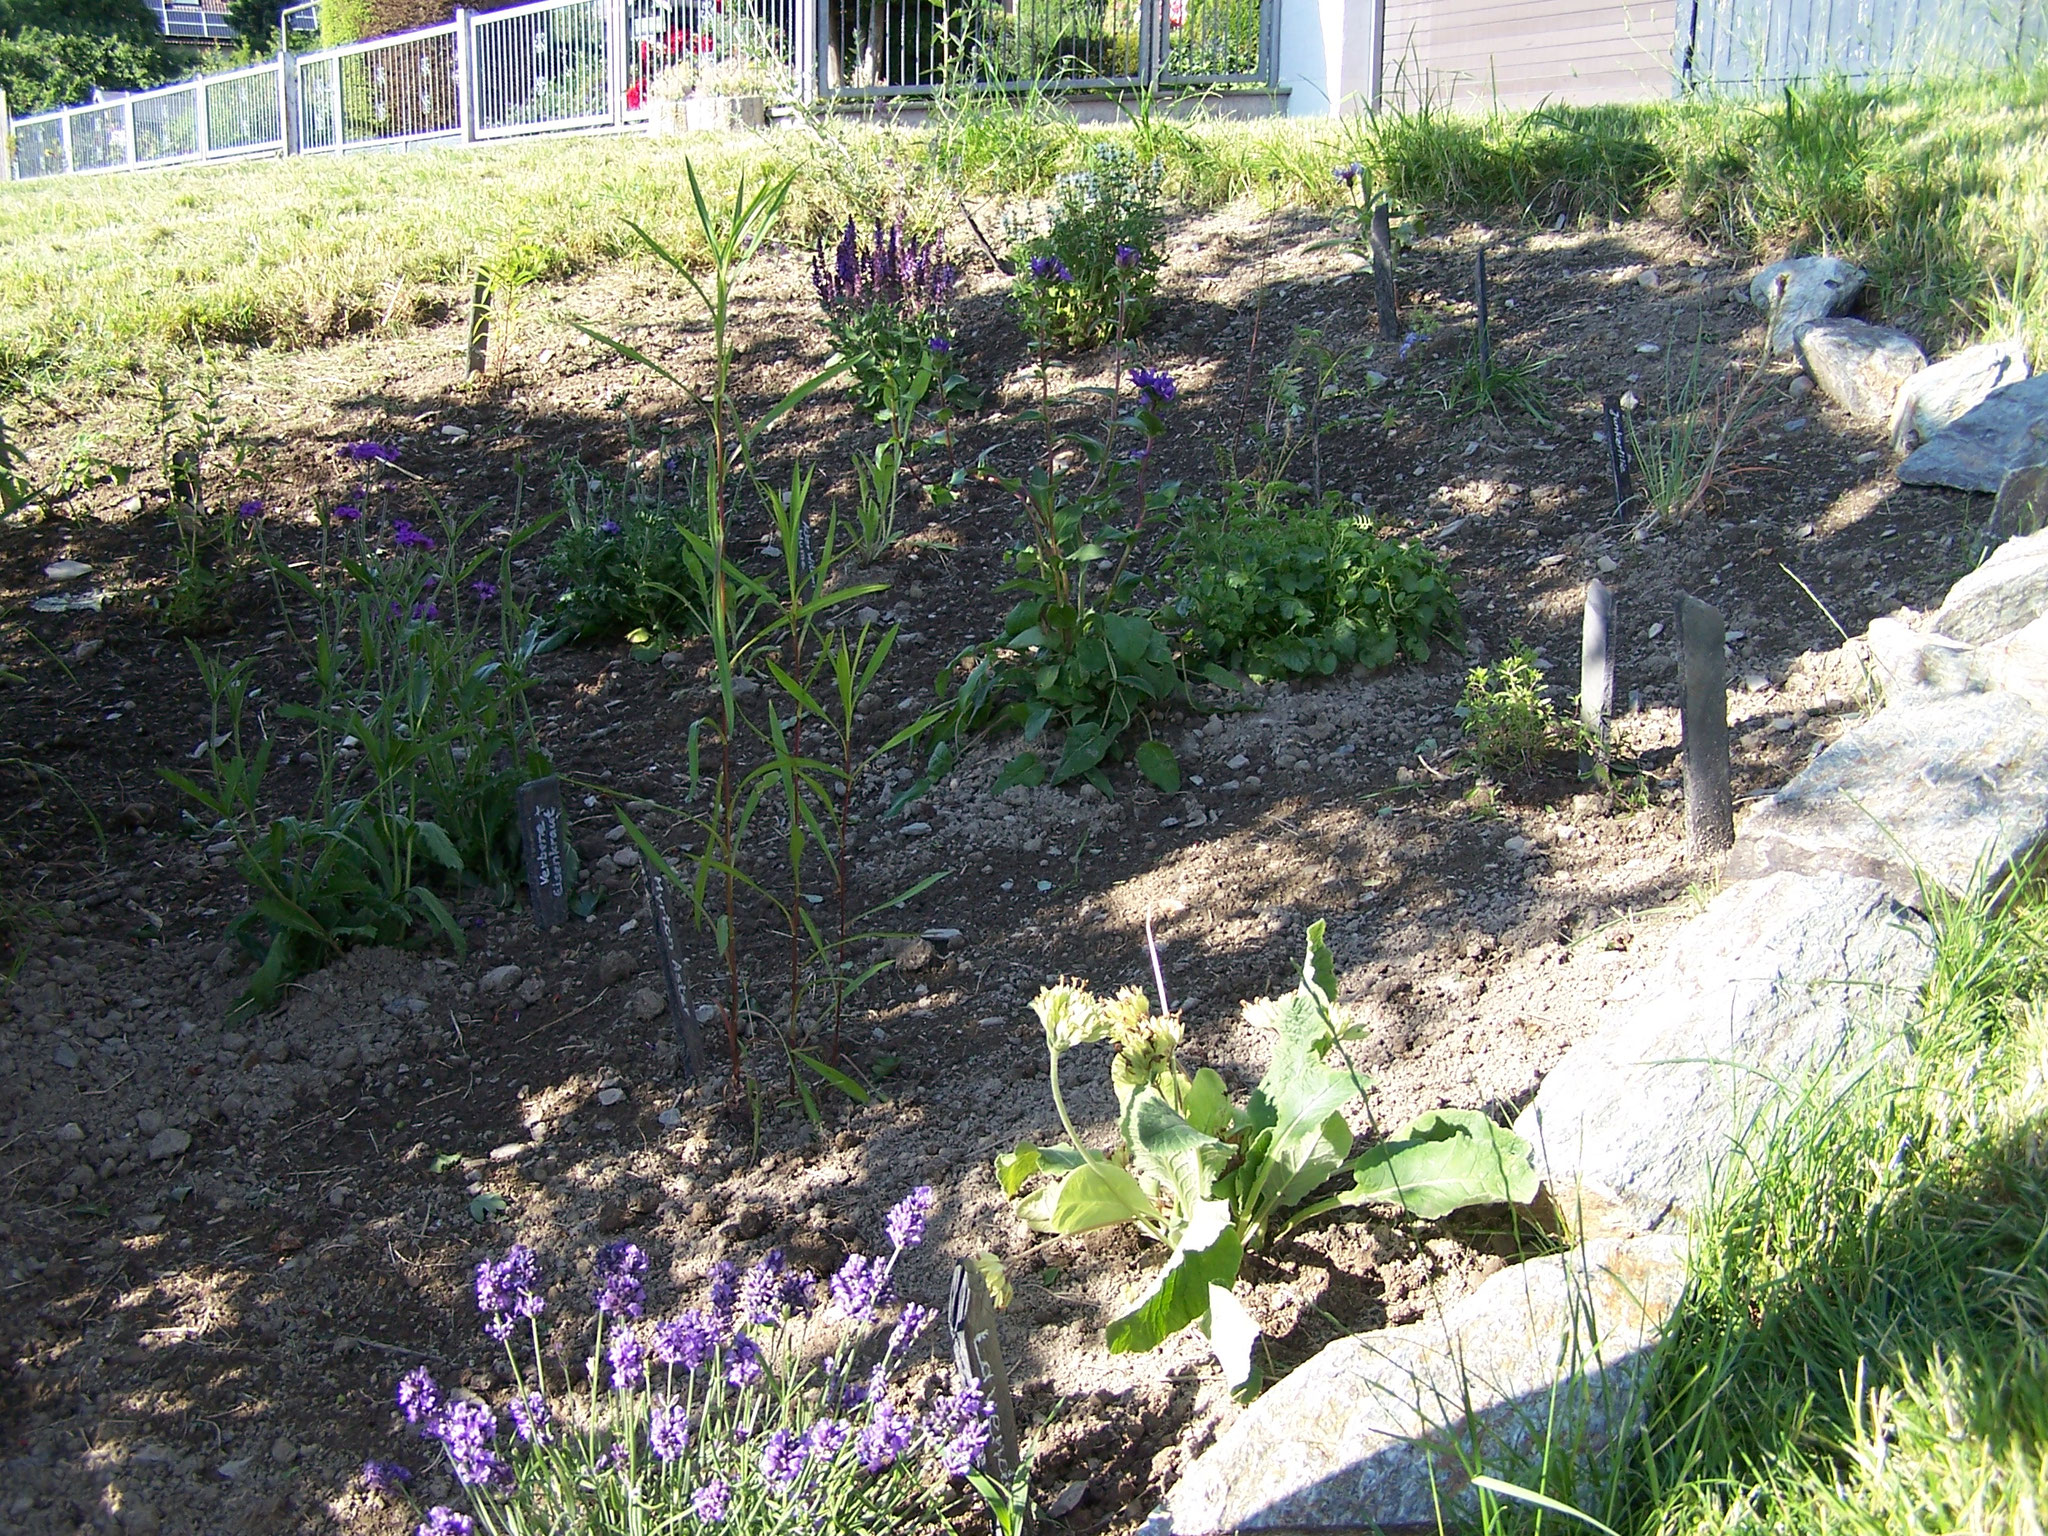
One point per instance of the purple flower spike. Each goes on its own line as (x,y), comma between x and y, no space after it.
(905,1223)
(668,1431)
(621,1279)
(710,1502)
(688,1341)
(385,1477)
(629,1362)
(914,1321)
(743,1364)
(1155,386)
(959,1425)
(760,1293)
(443,1521)
(466,1430)
(887,1436)
(861,1285)
(782,1458)
(531,1417)
(484,590)
(419,1398)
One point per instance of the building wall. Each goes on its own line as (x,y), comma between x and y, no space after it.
(1522,53)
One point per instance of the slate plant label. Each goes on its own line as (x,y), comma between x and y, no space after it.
(1596,678)
(688,1038)
(978,1357)
(1703,677)
(1620,462)
(540,830)
(1485,332)
(1383,274)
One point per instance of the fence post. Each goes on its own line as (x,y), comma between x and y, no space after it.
(205,131)
(617,51)
(465,73)
(64,137)
(285,135)
(805,45)
(6,140)
(128,132)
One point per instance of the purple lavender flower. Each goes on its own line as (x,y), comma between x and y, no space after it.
(531,1417)
(1126,258)
(405,536)
(1155,386)
(510,1284)
(709,1503)
(385,1477)
(466,1430)
(861,1285)
(743,1364)
(1050,269)
(959,1425)
(348,512)
(484,590)
(250,510)
(824,1438)
(668,1431)
(797,1288)
(629,1362)
(760,1292)
(782,1458)
(614,1457)
(905,1223)
(913,1322)
(1349,174)
(419,1398)
(608,527)
(724,1277)
(687,1341)
(621,1279)
(886,1437)
(443,1521)
(369,451)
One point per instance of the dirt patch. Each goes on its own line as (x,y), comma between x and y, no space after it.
(221,1241)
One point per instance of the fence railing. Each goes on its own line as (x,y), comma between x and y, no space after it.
(564,65)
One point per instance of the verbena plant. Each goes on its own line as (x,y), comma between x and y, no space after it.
(624,558)
(419,735)
(1509,719)
(1102,239)
(768,1409)
(1212,1180)
(1303,590)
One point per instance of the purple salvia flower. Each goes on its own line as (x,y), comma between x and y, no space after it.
(628,1358)
(687,1341)
(861,1285)
(760,1292)
(668,1430)
(443,1521)
(385,1477)
(913,1322)
(419,1398)
(743,1364)
(1155,386)
(782,1459)
(621,1279)
(886,1437)
(709,1503)
(531,1417)
(905,1223)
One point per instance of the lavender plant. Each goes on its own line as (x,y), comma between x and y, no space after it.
(885,309)
(776,1406)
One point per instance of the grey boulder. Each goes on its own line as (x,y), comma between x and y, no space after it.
(1775,979)
(1375,1433)
(2006,593)
(1942,393)
(1859,366)
(1815,287)
(1948,790)
(2022,505)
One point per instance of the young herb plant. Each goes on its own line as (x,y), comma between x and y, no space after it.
(1510,722)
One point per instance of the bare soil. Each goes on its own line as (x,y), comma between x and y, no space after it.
(205,1339)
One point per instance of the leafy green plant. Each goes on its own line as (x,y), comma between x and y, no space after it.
(1303,590)
(624,557)
(1210,1179)
(1093,266)
(214,544)
(14,483)
(1510,721)
(885,308)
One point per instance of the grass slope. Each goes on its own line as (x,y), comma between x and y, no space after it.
(1941,188)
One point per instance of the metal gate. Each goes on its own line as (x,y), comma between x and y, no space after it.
(909,47)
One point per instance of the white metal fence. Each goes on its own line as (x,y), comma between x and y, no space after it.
(563,65)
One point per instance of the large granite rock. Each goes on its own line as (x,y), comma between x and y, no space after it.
(1815,288)
(1376,1432)
(2022,505)
(1859,366)
(1938,396)
(2006,593)
(2019,663)
(1906,660)
(1774,980)
(2007,430)
(1952,790)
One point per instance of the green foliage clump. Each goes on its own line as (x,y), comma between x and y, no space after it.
(1510,721)
(1213,1180)
(41,69)
(1096,263)
(1304,590)
(628,558)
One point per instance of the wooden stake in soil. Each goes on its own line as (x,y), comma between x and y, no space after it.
(1485,333)
(1596,679)
(978,1357)
(479,324)
(1383,275)
(688,1038)
(1703,675)
(540,832)
(1620,462)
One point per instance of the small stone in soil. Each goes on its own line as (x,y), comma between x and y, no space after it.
(670,1117)
(169,1143)
(610,1096)
(613,966)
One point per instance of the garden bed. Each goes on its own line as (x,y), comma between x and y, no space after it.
(210,1324)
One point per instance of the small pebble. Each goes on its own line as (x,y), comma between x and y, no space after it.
(610,1096)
